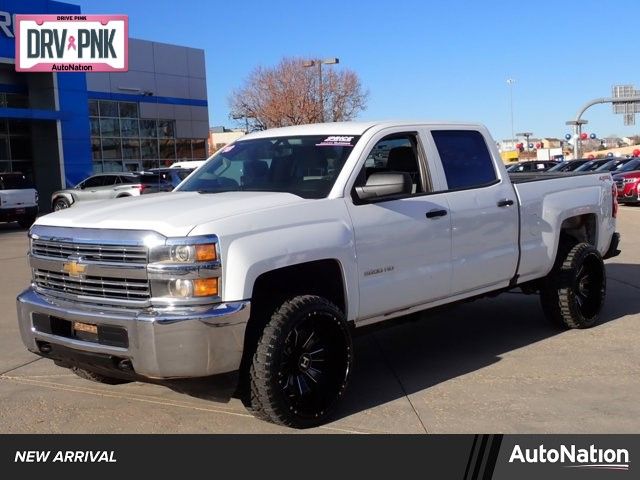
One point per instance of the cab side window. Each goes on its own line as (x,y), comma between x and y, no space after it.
(397,153)
(465,158)
(93,182)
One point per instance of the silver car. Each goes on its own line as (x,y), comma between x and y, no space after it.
(110,185)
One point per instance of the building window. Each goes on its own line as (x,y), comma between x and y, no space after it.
(108,109)
(94,110)
(119,138)
(14,100)
(148,129)
(129,127)
(199,149)
(131,149)
(128,110)
(15,145)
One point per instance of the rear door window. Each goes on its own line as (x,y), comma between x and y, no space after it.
(465,158)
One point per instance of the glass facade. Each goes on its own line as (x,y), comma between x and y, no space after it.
(121,140)
(15,138)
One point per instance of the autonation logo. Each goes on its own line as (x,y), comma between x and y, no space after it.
(573,457)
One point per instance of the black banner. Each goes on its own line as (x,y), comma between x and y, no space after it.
(462,457)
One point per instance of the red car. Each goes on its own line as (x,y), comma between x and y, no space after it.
(627,184)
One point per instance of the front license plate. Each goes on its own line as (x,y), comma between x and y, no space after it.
(85,327)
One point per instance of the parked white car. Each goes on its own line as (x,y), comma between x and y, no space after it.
(104,186)
(190,165)
(266,258)
(18,199)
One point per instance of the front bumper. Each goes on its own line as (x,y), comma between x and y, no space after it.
(179,343)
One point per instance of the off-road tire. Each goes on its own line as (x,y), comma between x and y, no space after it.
(97,377)
(573,294)
(291,385)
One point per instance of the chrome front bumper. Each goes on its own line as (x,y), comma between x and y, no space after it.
(179,343)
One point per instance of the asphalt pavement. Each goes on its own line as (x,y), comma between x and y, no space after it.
(493,365)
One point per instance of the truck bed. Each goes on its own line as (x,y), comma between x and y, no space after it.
(538,176)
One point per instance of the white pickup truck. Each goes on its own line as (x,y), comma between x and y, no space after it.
(18,199)
(266,258)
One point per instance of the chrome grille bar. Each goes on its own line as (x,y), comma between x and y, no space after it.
(93,286)
(96,253)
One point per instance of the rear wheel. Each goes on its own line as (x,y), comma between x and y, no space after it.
(302,363)
(97,377)
(60,204)
(574,292)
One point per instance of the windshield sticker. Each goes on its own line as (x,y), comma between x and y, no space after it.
(228,148)
(336,140)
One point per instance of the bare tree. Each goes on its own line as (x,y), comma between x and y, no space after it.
(289,94)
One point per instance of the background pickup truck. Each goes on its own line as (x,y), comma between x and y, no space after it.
(268,256)
(18,199)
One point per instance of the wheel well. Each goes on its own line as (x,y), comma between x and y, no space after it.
(122,195)
(579,229)
(58,197)
(271,289)
(321,277)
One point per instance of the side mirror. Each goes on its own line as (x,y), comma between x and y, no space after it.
(80,186)
(385,184)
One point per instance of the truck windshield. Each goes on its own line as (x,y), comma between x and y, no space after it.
(306,166)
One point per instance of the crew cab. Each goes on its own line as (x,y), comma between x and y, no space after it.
(18,199)
(266,258)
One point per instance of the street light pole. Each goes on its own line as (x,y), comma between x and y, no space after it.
(510,82)
(577,129)
(319,63)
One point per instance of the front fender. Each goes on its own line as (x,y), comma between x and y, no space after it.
(260,242)
(249,257)
(69,196)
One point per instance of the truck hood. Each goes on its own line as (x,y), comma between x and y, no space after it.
(172,214)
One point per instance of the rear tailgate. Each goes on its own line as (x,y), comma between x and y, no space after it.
(18,198)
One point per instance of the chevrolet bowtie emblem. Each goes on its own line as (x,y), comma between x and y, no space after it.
(74,269)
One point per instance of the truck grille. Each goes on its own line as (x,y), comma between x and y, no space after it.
(94,253)
(92,286)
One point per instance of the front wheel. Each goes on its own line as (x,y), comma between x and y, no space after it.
(302,363)
(574,292)
(60,204)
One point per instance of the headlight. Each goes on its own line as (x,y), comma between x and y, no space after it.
(183,253)
(194,288)
(185,271)
(195,253)
(631,180)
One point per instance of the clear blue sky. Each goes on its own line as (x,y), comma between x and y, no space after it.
(444,60)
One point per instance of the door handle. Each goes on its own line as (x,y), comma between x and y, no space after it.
(436,213)
(505,203)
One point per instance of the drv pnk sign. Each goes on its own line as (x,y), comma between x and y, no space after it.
(72,43)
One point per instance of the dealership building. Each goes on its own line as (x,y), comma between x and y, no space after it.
(60,128)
